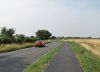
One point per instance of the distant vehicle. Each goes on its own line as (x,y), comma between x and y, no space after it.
(39,43)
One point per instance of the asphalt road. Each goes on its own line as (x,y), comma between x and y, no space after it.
(17,61)
(64,61)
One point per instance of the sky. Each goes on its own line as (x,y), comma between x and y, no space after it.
(60,17)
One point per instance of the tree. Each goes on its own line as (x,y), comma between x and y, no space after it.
(10,32)
(20,38)
(6,35)
(31,36)
(43,34)
(53,37)
(7,32)
(6,39)
(4,31)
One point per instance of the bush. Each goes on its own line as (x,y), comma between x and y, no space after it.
(6,39)
(20,38)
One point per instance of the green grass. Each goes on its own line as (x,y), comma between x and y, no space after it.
(41,64)
(88,61)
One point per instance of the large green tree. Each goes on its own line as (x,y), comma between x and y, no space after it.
(7,32)
(6,35)
(43,34)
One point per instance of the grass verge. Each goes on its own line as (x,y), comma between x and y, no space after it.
(41,64)
(13,47)
(88,61)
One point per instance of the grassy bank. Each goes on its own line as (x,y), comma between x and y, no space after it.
(41,64)
(13,47)
(88,61)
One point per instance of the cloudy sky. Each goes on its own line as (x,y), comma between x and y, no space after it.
(60,17)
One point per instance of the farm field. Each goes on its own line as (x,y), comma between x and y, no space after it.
(91,44)
(88,61)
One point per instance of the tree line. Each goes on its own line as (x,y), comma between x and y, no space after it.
(7,36)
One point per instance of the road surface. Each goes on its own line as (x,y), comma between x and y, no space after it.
(17,61)
(64,61)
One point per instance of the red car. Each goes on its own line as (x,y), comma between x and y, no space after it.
(39,44)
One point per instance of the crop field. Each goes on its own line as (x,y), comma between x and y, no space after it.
(89,62)
(91,44)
